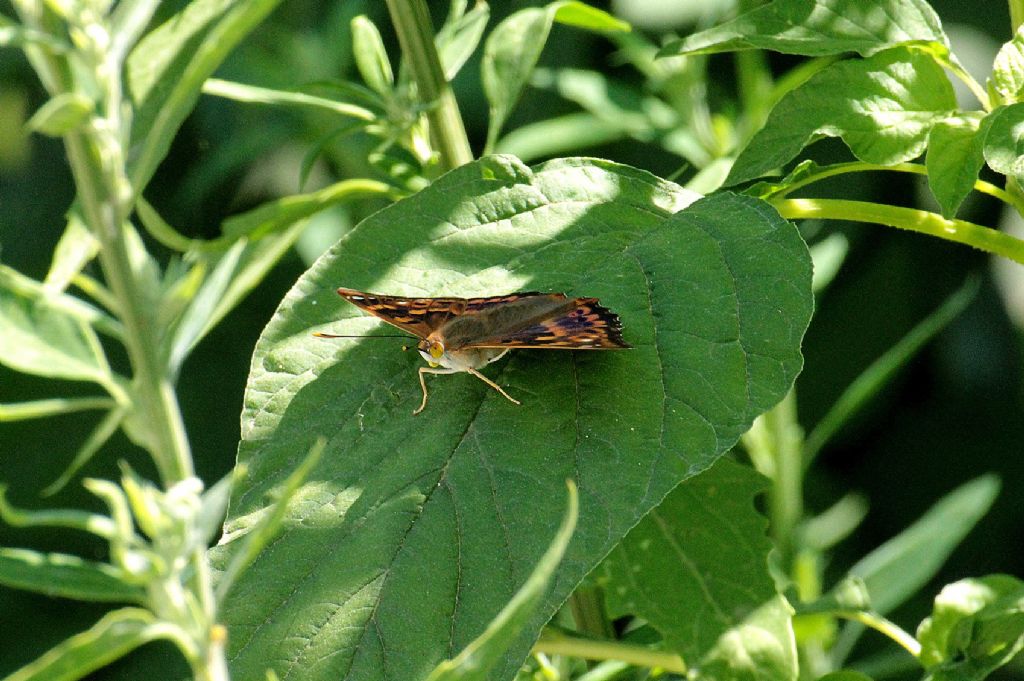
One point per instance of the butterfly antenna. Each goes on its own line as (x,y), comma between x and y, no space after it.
(331,335)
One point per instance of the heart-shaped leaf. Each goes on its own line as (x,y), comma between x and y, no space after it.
(413,532)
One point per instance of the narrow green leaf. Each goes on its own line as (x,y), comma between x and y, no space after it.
(883,369)
(39,336)
(166,70)
(818,28)
(828,256)
(955,156)
(195,322)
(60,115)
(264,530)
(976,626)
(559,135)
(1006,82)
(97,438)
(845,675)
(37,409)
(514,46)
(479,658)
(458,39)
(582,15)
(282,213)
(76,248)
(260,95)
(13,34)
(210,518)
(447,498)
(696,565)
(762,648)
(371,57)
(1004,143)
(883,107)
(113,637)
(100,525)
(60,575)
(898,568)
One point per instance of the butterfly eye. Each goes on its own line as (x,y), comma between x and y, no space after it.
(436,350)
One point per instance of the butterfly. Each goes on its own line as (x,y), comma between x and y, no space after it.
(465,334)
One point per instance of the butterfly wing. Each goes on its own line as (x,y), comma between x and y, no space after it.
(576,324)
(422,316)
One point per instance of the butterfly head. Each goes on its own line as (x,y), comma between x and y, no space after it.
(432,350)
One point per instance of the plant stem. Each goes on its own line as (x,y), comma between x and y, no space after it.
(416,37)
(925,222)
(916,168)
(609,650)
(784,440)
(884,626)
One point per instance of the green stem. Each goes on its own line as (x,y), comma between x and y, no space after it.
(981,186)
(885,627)
(786,497)
(609,650)
(157,402)
(925,222)
(97,164)
(416,37)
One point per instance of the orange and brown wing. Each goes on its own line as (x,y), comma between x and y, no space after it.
(583,324)
(422,316)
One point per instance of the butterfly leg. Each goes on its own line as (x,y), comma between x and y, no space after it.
(494,385)
(423,383)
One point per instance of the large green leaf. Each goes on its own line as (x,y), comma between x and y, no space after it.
(696,565)
(883,107)
(818,27)
(413,532)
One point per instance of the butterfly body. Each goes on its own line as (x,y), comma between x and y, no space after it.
(465,334)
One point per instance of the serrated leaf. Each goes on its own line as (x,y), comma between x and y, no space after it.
(1006,82)
(166,70)
(696,565)
(883,107)
(114,636)
(955,156)
(38,335)
(419,529)
(477,660)
(762,648)
(976,626)
(61,115)
(514,46)
(1004,142)
(818,28)
(65,576)
(898,568)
